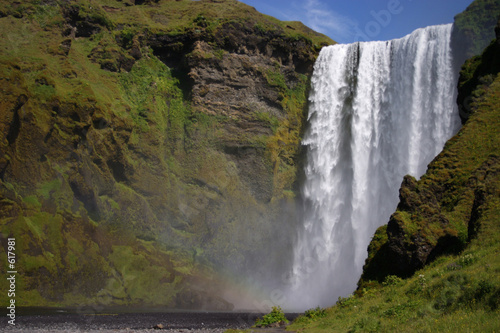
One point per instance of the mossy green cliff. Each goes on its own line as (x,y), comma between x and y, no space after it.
(146,145)
(472,28)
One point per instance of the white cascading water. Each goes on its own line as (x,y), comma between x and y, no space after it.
(378,111)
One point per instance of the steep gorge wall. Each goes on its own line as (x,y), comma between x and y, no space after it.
(142,154)
(473,29)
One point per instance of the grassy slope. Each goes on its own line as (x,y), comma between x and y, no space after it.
(474,25)
(455,292)
(80,119)
(176,16)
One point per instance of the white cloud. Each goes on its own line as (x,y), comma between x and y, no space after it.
(319,17)
(316,14)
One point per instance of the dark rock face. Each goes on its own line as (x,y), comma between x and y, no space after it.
(231,74)
(416,234)
(84,24)
(419,231)
(414,253)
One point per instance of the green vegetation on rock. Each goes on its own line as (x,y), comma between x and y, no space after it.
(474,28)
(274,318)
(128,177)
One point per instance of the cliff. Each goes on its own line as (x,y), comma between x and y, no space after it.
(473,28)
(146,146)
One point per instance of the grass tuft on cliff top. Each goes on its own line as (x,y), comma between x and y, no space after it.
(177,16)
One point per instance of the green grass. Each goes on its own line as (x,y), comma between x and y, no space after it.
(181,15)
(457,293)
(275,317)
(154,95)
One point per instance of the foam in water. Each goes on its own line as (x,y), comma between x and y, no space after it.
(378,111)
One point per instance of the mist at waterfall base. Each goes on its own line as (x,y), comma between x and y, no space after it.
(378,111)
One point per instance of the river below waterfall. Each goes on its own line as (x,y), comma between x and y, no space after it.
(70,321)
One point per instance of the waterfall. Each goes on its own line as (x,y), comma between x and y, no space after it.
(378,111)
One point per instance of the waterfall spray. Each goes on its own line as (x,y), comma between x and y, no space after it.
(378,111)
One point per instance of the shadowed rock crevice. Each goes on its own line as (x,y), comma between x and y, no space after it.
(84,193)
(118,170)
(15,125)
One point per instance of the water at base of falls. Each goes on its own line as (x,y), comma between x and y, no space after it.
(378,111)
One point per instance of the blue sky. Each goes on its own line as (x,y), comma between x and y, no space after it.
(347,21)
